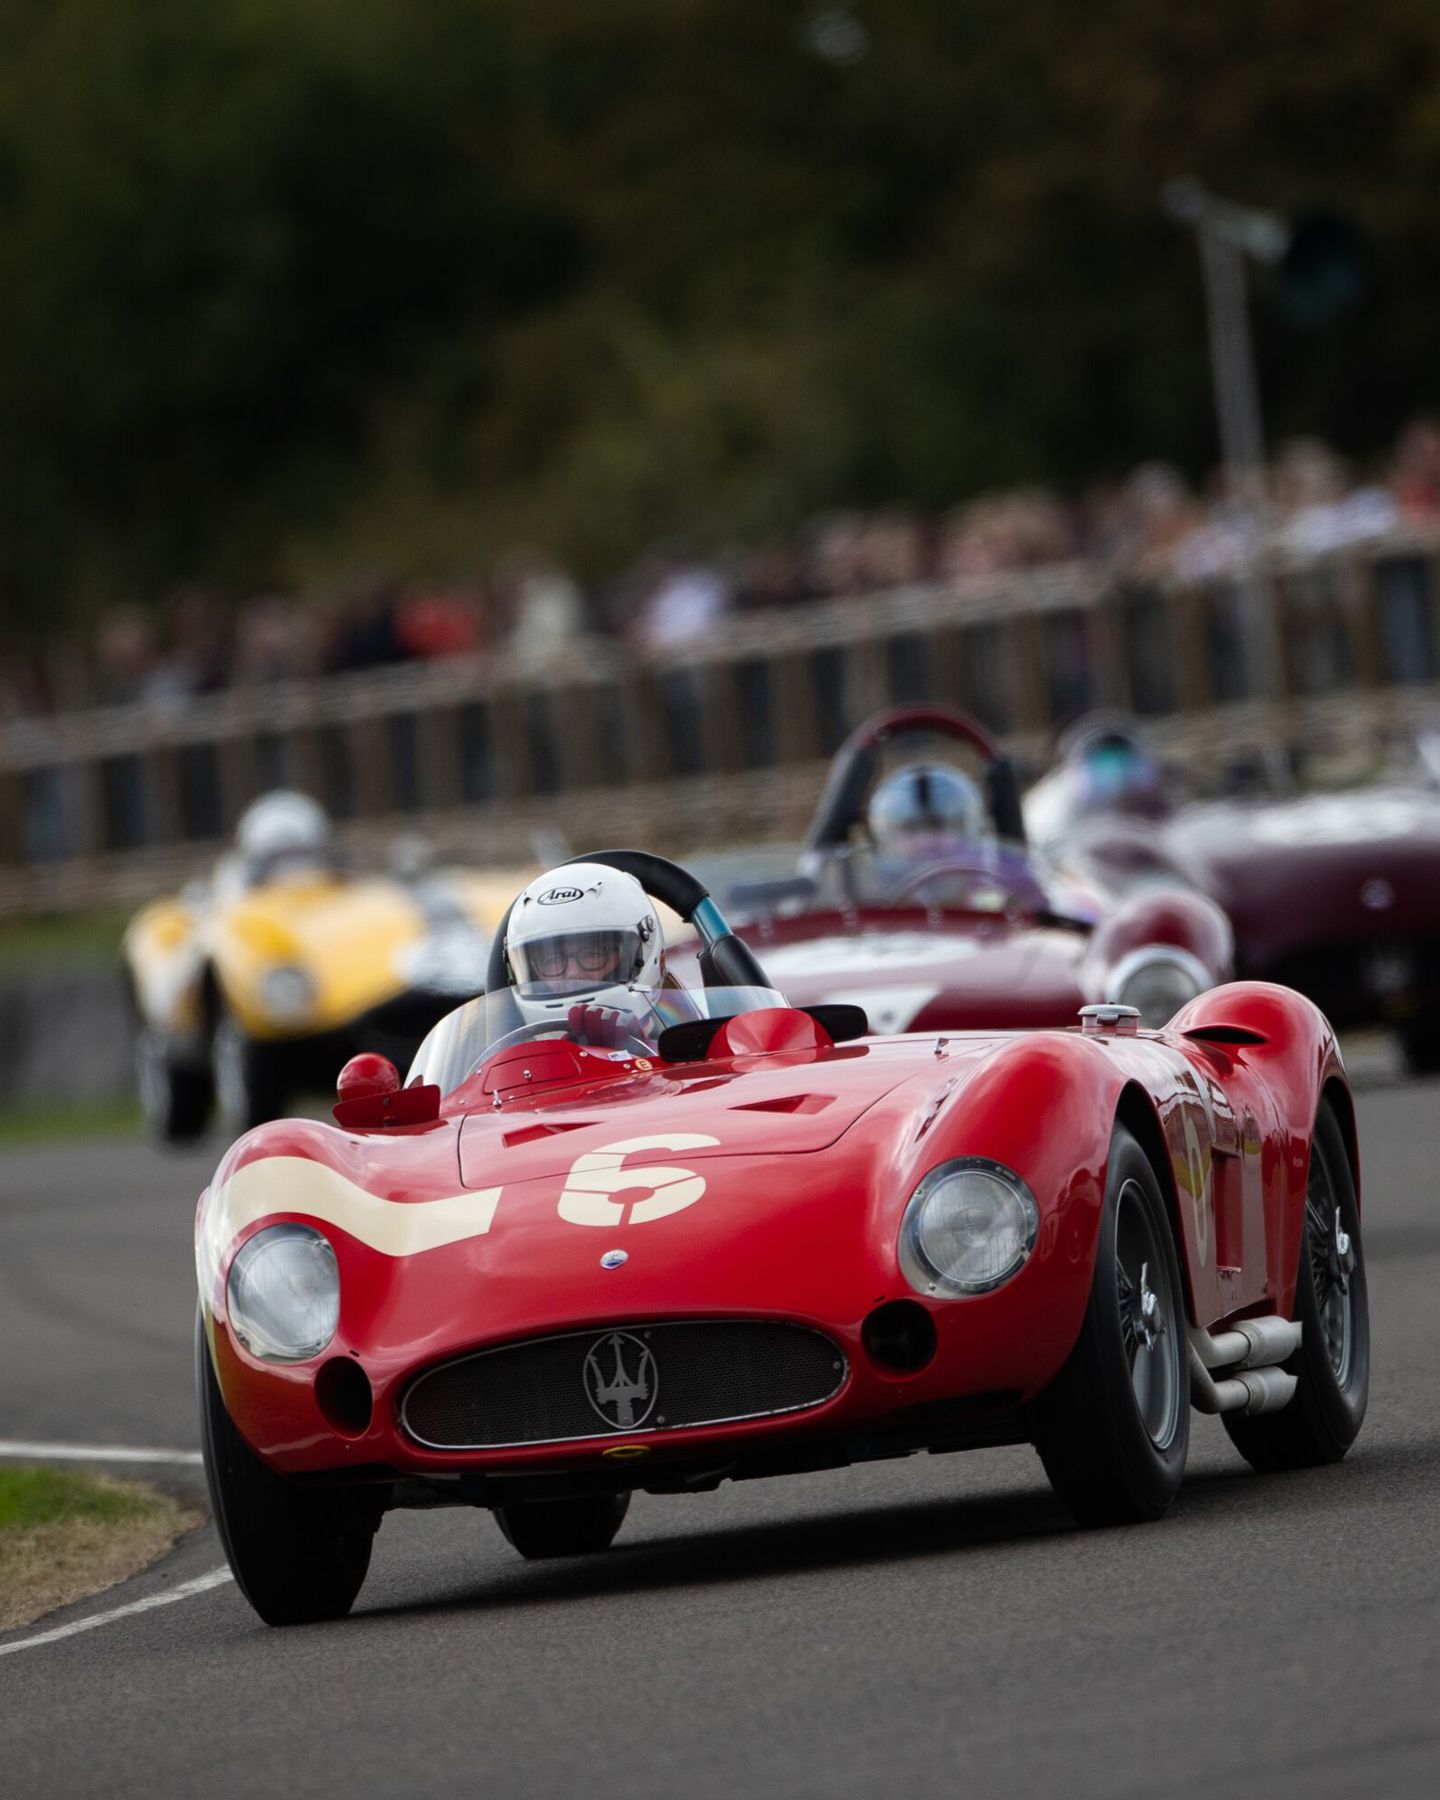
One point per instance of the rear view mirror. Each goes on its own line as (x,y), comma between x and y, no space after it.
(371,1097)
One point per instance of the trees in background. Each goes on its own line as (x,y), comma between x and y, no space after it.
(291,285)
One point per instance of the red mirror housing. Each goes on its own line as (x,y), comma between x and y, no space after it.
(370,1096)
(366,1076)
(770,1031)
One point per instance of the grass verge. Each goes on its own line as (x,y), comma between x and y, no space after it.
(99,1118)
(58,940)
(65,1535)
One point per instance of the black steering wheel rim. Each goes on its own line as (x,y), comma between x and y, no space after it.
(956,866)
(538,1029)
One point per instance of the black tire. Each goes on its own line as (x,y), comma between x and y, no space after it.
(578,1527)
(1113,1429)
(175,1098)
(249,1078)
(298,1554)
(1420,1045)
(1332,1304)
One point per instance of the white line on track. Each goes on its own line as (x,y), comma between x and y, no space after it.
(186,1590)
(19,1451)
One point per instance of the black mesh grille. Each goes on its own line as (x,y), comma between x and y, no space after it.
(639,1378)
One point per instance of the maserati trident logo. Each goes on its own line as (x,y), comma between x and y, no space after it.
(620,1380)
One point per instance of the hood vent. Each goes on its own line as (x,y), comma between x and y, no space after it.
(787,1103)
(527,1134)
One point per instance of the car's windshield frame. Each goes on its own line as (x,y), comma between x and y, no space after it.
(465,1040)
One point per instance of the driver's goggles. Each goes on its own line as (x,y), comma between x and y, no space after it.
(600,954)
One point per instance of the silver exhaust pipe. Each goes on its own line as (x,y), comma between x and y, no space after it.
(1252,1344)
(1252,1349)
(1250,1391)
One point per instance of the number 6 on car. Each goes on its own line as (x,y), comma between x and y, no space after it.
(1071,1238)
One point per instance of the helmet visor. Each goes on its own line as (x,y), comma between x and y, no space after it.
(574,962)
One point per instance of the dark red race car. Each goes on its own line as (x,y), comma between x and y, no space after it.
(973,933)
(1334,893)
(744,1243)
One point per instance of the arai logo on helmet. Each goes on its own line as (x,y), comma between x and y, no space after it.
(561,896)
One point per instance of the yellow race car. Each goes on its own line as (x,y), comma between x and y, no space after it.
(264,980)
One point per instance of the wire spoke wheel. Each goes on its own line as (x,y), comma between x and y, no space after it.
(1332,1263)
(1149,1333)
(174,1098)
(249,1085)
(1113,1428)
(1332,1365)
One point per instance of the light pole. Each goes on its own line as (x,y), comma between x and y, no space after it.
(1227,234)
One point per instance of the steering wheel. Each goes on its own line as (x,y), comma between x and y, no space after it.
(1012,891)
(634,1045)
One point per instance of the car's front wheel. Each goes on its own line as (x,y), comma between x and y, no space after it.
(298,1554)
(249,1084)
(577,1527)
(175,1097)
(1113,1429)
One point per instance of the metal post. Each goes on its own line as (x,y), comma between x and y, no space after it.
(1226,234)
(1232,365)
(1242,443)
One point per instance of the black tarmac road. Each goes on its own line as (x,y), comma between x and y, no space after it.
(933,1627)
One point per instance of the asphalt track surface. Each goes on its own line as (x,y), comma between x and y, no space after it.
(930,1627)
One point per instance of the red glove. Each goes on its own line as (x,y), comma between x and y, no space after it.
(603,1027)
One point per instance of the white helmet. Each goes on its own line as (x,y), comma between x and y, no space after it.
(282,826)
(581,933)
(927,809)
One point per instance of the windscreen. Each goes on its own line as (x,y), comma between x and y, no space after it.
(978,877)
(635,1017)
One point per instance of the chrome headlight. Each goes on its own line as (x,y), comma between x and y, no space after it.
(283,1293)
(1157,981)
(287,994)
(969,1226)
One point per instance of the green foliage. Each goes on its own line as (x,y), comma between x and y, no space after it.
(62,940)
(286,284)
(68,1121)
(48,1496)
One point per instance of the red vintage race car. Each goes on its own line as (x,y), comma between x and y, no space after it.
(1334,893)
(983,935)
(743,1242)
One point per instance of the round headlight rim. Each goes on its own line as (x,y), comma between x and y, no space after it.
(299,1005)
(1149,956)
(919,1271)
(243,1331)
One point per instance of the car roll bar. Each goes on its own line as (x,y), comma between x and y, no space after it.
(857,765)
(725,960)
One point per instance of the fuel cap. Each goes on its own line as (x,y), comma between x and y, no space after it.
(1109,1019)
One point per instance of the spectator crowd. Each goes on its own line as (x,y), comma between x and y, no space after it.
(1152,525)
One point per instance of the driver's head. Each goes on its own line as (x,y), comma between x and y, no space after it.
(1117,773)
(926,812)
(579,933)
(283,830)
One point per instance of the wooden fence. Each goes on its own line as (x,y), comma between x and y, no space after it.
(721,742)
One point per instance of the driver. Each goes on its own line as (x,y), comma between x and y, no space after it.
(283,833)
(924,814)
(583,943)
(1118,774)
